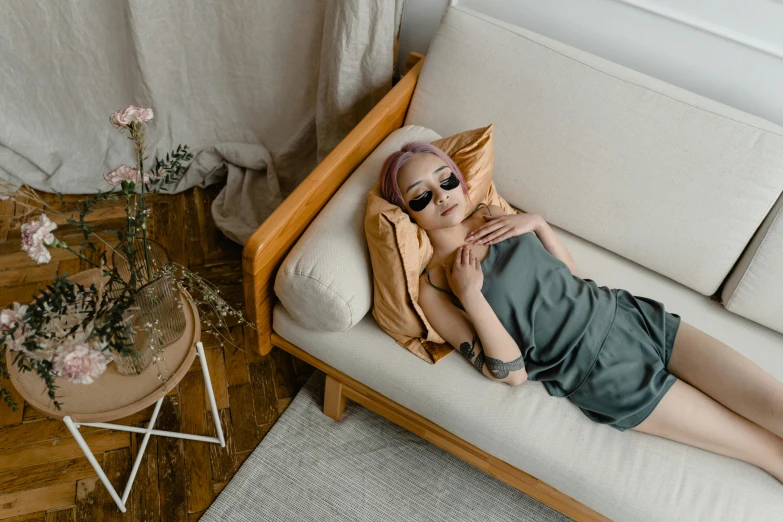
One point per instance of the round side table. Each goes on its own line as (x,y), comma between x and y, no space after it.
(113,395)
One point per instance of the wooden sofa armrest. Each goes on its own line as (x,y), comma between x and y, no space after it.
(268,246)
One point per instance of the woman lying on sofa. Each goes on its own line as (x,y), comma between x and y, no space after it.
(506,292)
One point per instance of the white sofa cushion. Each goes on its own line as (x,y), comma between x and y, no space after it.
(626,476)
(662,176)
(326,279)
(754,289)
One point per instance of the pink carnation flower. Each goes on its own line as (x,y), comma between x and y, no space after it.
(124,173)
(144,115)
(16,343)
(34,235)
(75,361)
(130,114)
(9,317)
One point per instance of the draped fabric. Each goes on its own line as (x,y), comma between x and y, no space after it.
(260,91)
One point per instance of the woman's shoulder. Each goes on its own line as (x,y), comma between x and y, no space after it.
(429,275)
(423,283)
(426,283)
(433,278)
(484,209)
(496,210)
(435,291)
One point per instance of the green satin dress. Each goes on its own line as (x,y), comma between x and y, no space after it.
(604,349)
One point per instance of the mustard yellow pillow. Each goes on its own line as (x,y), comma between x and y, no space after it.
(400,249)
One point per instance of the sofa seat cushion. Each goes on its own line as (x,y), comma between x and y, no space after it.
(626,476)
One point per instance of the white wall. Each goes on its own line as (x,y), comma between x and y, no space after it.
(727,50)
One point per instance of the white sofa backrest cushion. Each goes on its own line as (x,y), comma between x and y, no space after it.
(325,281)
(662,176)
(754,289)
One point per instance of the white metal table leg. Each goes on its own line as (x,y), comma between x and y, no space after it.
(73,427)
(140,453)
(211,394)
(98,469)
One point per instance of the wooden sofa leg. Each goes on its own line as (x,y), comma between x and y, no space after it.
(334,400)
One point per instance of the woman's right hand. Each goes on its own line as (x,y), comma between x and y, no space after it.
(465,276)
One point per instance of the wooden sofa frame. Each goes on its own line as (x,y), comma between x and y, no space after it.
(268,247)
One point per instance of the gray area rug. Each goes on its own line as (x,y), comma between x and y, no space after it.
(364,468)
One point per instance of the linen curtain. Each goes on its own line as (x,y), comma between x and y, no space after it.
(260,90)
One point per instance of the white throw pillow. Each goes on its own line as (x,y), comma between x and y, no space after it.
(325,282)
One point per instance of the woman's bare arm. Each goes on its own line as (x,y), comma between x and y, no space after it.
(478,334)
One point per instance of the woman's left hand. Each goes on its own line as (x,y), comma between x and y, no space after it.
(499,228)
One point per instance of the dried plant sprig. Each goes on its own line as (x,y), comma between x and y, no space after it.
(205,296)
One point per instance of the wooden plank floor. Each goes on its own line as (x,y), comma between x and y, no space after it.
(44,475)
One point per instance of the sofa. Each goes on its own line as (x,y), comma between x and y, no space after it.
(652,188)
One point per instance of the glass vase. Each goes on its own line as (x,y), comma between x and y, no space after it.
(156,254)
(155,317)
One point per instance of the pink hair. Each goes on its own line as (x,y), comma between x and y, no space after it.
(390,189)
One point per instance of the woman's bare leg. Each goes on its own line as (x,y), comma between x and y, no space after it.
(687,415)
(727,376)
